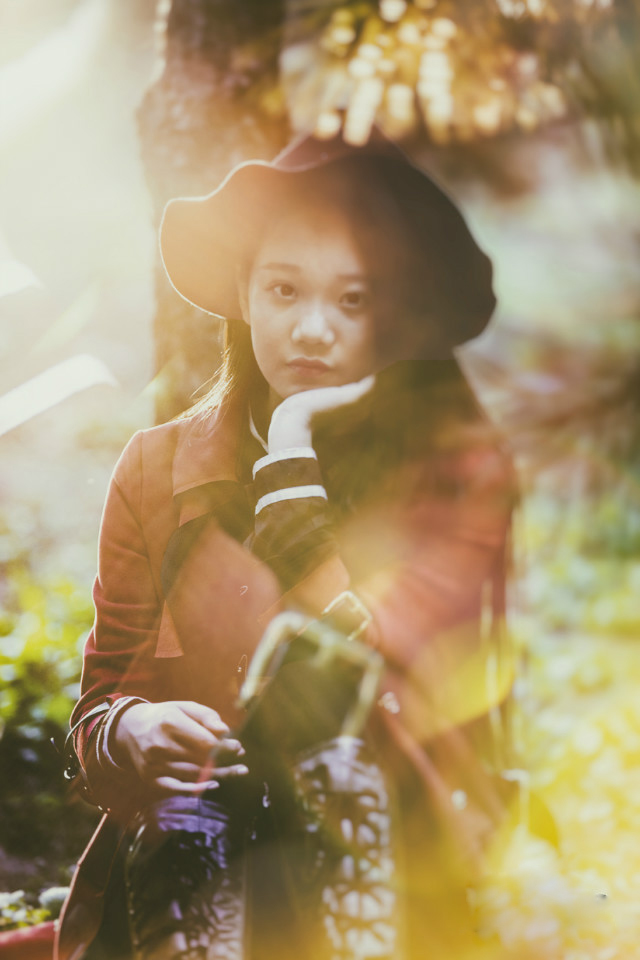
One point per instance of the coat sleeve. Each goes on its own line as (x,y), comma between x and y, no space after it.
(118,655)
(293,533)
(437,598)
(451,545)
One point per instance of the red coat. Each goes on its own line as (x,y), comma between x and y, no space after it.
(429,565)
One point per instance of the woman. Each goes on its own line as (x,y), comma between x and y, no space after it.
(339,468)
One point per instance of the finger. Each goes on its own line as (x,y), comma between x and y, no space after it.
(193,738)
(367,383)
(221,758)
(185,771)
(170,785)
(178,745)
(223,766)
(228,773)
(206,716)
(227,747)
(327,398)
(349,392)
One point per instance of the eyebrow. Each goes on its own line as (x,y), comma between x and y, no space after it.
(296,269)
(280,266)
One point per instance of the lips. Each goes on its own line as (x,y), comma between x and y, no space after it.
(308,365)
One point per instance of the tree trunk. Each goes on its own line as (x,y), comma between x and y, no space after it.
(198,120)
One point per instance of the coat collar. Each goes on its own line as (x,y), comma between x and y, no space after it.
(208,452)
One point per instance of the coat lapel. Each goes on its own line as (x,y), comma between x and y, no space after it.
(208,488)
(208,452)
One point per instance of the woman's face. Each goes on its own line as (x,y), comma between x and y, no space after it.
(309,305)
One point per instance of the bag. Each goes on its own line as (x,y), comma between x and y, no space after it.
(308,694)
(307,683)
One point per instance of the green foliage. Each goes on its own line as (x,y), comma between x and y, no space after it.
(580,562)
(39,653)
(17,911)
(43,623)
(22,909)
(53,899)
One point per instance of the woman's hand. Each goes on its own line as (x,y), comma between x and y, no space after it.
(291,420)
(177,746)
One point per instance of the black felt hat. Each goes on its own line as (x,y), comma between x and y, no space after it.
(203,239)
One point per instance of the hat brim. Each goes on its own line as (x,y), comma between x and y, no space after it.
(204,239)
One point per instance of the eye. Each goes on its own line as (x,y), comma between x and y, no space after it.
(354,300)
(283,290)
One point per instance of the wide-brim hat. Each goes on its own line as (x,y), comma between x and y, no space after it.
(204,239)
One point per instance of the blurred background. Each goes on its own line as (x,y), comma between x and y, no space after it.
(529,113)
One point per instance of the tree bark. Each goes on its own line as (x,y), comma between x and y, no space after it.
(198,120)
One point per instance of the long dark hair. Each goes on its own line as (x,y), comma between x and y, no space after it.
(419,401)
(400,246)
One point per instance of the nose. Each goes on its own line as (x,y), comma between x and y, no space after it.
(313,326)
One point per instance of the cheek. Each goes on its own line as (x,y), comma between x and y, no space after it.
(266,341)
(258,320)
(261,340)
(362,346)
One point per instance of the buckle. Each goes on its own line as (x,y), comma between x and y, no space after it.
(348,614)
